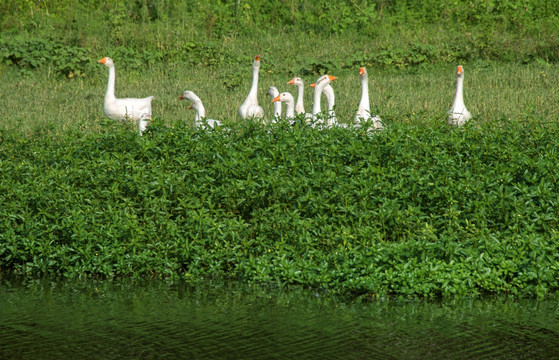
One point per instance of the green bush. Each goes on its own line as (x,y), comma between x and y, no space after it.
(412,211)
(386,33)
(30,54)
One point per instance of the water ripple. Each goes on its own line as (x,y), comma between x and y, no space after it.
(161,323)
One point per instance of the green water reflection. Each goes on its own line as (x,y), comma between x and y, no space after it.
(165,320)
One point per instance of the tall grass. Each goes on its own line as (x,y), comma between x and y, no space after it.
(492,92)
(49,51)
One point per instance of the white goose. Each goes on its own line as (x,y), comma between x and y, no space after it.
(299,107)
(273,92)
(200,116)
(328,91)
(286,98)
(128,108)
(319,87)
(250,107)
(364,109)
(458,114)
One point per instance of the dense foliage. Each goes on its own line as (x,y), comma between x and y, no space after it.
(416,210)
(226,16)
(397,33)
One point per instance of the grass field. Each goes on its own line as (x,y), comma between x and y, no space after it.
(492,92)
(161,48)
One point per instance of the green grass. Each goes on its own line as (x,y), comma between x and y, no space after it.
(163,48)
(492,91)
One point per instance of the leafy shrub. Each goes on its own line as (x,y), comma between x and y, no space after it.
(142,33)
(30,54)
(412,211)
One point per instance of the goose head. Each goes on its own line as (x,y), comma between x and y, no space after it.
(363,73)
(272,91)
(284,97)
(196,106)
(189,95)
(323,80)
(296,81)
(107,61)
(459,71)
(256,62)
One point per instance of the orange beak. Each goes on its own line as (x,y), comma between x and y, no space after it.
(103,60)
(459,70)
(362,71)
(181,97)
(190,107)
(292,81)
(277,98)
(257,58)
(312,85)
(332,78)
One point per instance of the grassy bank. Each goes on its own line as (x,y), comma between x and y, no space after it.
(49,49)
(417,210)
(493,91)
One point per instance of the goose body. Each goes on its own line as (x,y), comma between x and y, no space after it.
(135,109)
(274,92)
(200,115)
(250,107)
(458,115)
(364,109)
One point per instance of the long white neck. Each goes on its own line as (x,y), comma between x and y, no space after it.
(364,103)
(200,111)
(110,94)
(330,97)
(253,93)
(331,100)
(290,108)
(273,92)
(316,100)
(459,96)
(299,107)
(277,108)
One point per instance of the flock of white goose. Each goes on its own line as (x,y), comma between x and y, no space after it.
(139,110)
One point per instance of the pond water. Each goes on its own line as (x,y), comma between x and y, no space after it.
(43,319)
